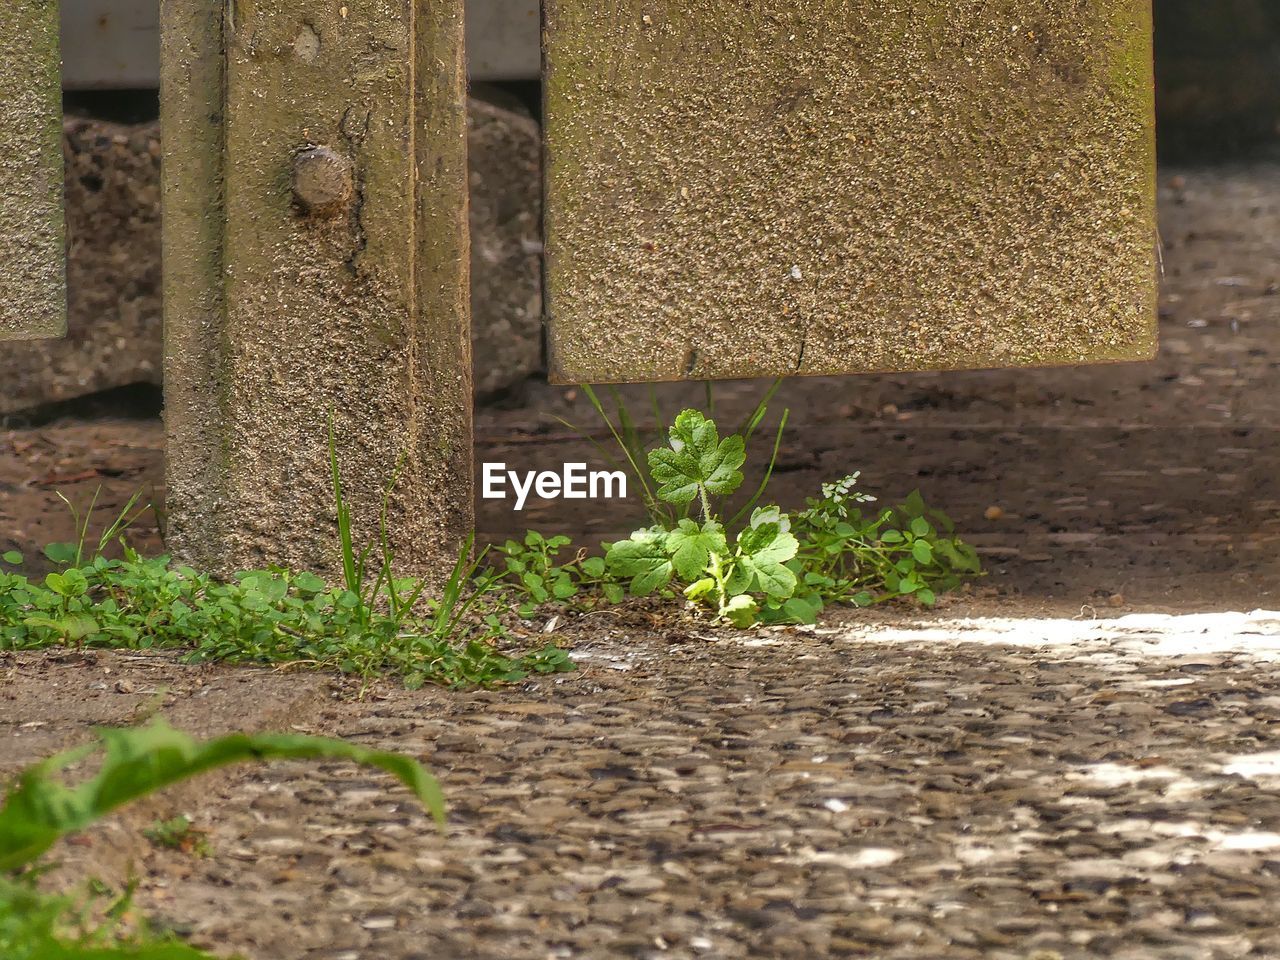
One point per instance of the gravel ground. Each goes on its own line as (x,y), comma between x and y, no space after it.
(989,787)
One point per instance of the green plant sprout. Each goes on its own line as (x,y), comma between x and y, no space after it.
(740,564)
(179,833)
(40,809)
(375,623)
(760,565)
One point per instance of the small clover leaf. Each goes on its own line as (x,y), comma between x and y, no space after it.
(922,552)
(63,554)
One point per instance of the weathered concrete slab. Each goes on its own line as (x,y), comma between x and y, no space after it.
(837,186)
(32,284)
(315,265)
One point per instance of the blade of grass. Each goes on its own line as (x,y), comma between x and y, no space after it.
(650,500)
(750,424)
(122,522)
(81,522)
(608,457)
(352,574)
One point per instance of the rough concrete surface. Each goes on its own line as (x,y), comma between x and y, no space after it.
(113,273)
(55,700)
(835,186)
(285,328)
(988,787)
(113,260)
(32,276)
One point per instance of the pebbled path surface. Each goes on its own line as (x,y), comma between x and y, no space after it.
(989,788)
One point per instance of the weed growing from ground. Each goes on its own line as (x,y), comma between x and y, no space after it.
(265,616)
(375,623)
(178,833)
(41,809)
(533,566)
(758,564)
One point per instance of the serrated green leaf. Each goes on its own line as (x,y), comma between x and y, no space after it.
(771,514)
(763,554)
(644,559)
(690,547)
(697,458)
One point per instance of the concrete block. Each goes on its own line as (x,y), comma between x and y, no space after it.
(293,300)
(113,273)
(32,276)
(840,186)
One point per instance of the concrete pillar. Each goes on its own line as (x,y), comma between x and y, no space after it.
(316,265)
(32,269)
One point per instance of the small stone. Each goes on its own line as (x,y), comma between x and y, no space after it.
(642,885)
